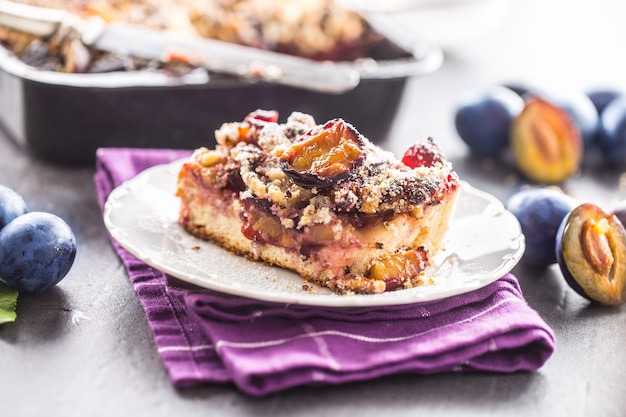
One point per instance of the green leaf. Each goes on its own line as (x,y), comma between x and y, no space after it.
(8,301)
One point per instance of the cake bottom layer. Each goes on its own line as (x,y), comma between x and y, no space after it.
(376,257)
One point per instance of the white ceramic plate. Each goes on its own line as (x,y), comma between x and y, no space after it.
(485,242)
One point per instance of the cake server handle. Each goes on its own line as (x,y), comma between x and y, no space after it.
(38,21)
(248,62)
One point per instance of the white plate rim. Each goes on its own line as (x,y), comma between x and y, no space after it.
(126,193)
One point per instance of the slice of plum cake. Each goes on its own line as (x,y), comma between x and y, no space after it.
(321,200)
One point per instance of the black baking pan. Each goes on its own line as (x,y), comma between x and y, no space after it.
(64,118)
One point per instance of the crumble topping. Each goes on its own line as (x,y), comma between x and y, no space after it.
(381,184)
(275,138)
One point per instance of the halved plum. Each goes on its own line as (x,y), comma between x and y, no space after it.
(324,156)
(576,104)
(547,145)
(591,252)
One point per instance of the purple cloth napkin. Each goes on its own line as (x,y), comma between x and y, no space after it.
(206,337)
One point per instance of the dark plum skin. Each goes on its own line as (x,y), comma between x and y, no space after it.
(12,205)
(619,210)
(578,106)
(37,251)
(591,252)
(483,119)
(560,259)
(612,133)
(601,97)
(540,212)
(518,88)
(426,154)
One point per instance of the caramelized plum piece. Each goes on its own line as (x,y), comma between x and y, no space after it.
(423,155)
(399,268)
(325,155)
(246,131)
(546,143)
(260,117)
(322,234)
(591,251)
(260,225)
(254,122)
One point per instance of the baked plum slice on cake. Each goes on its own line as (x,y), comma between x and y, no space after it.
(321,200)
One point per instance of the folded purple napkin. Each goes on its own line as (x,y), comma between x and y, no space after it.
(206,337)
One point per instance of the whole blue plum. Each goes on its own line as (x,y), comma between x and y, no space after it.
(601,97)
(12,205)
(483,119)
(37,251)
(577,105)
(540,212)
(612,137)
(518,88)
